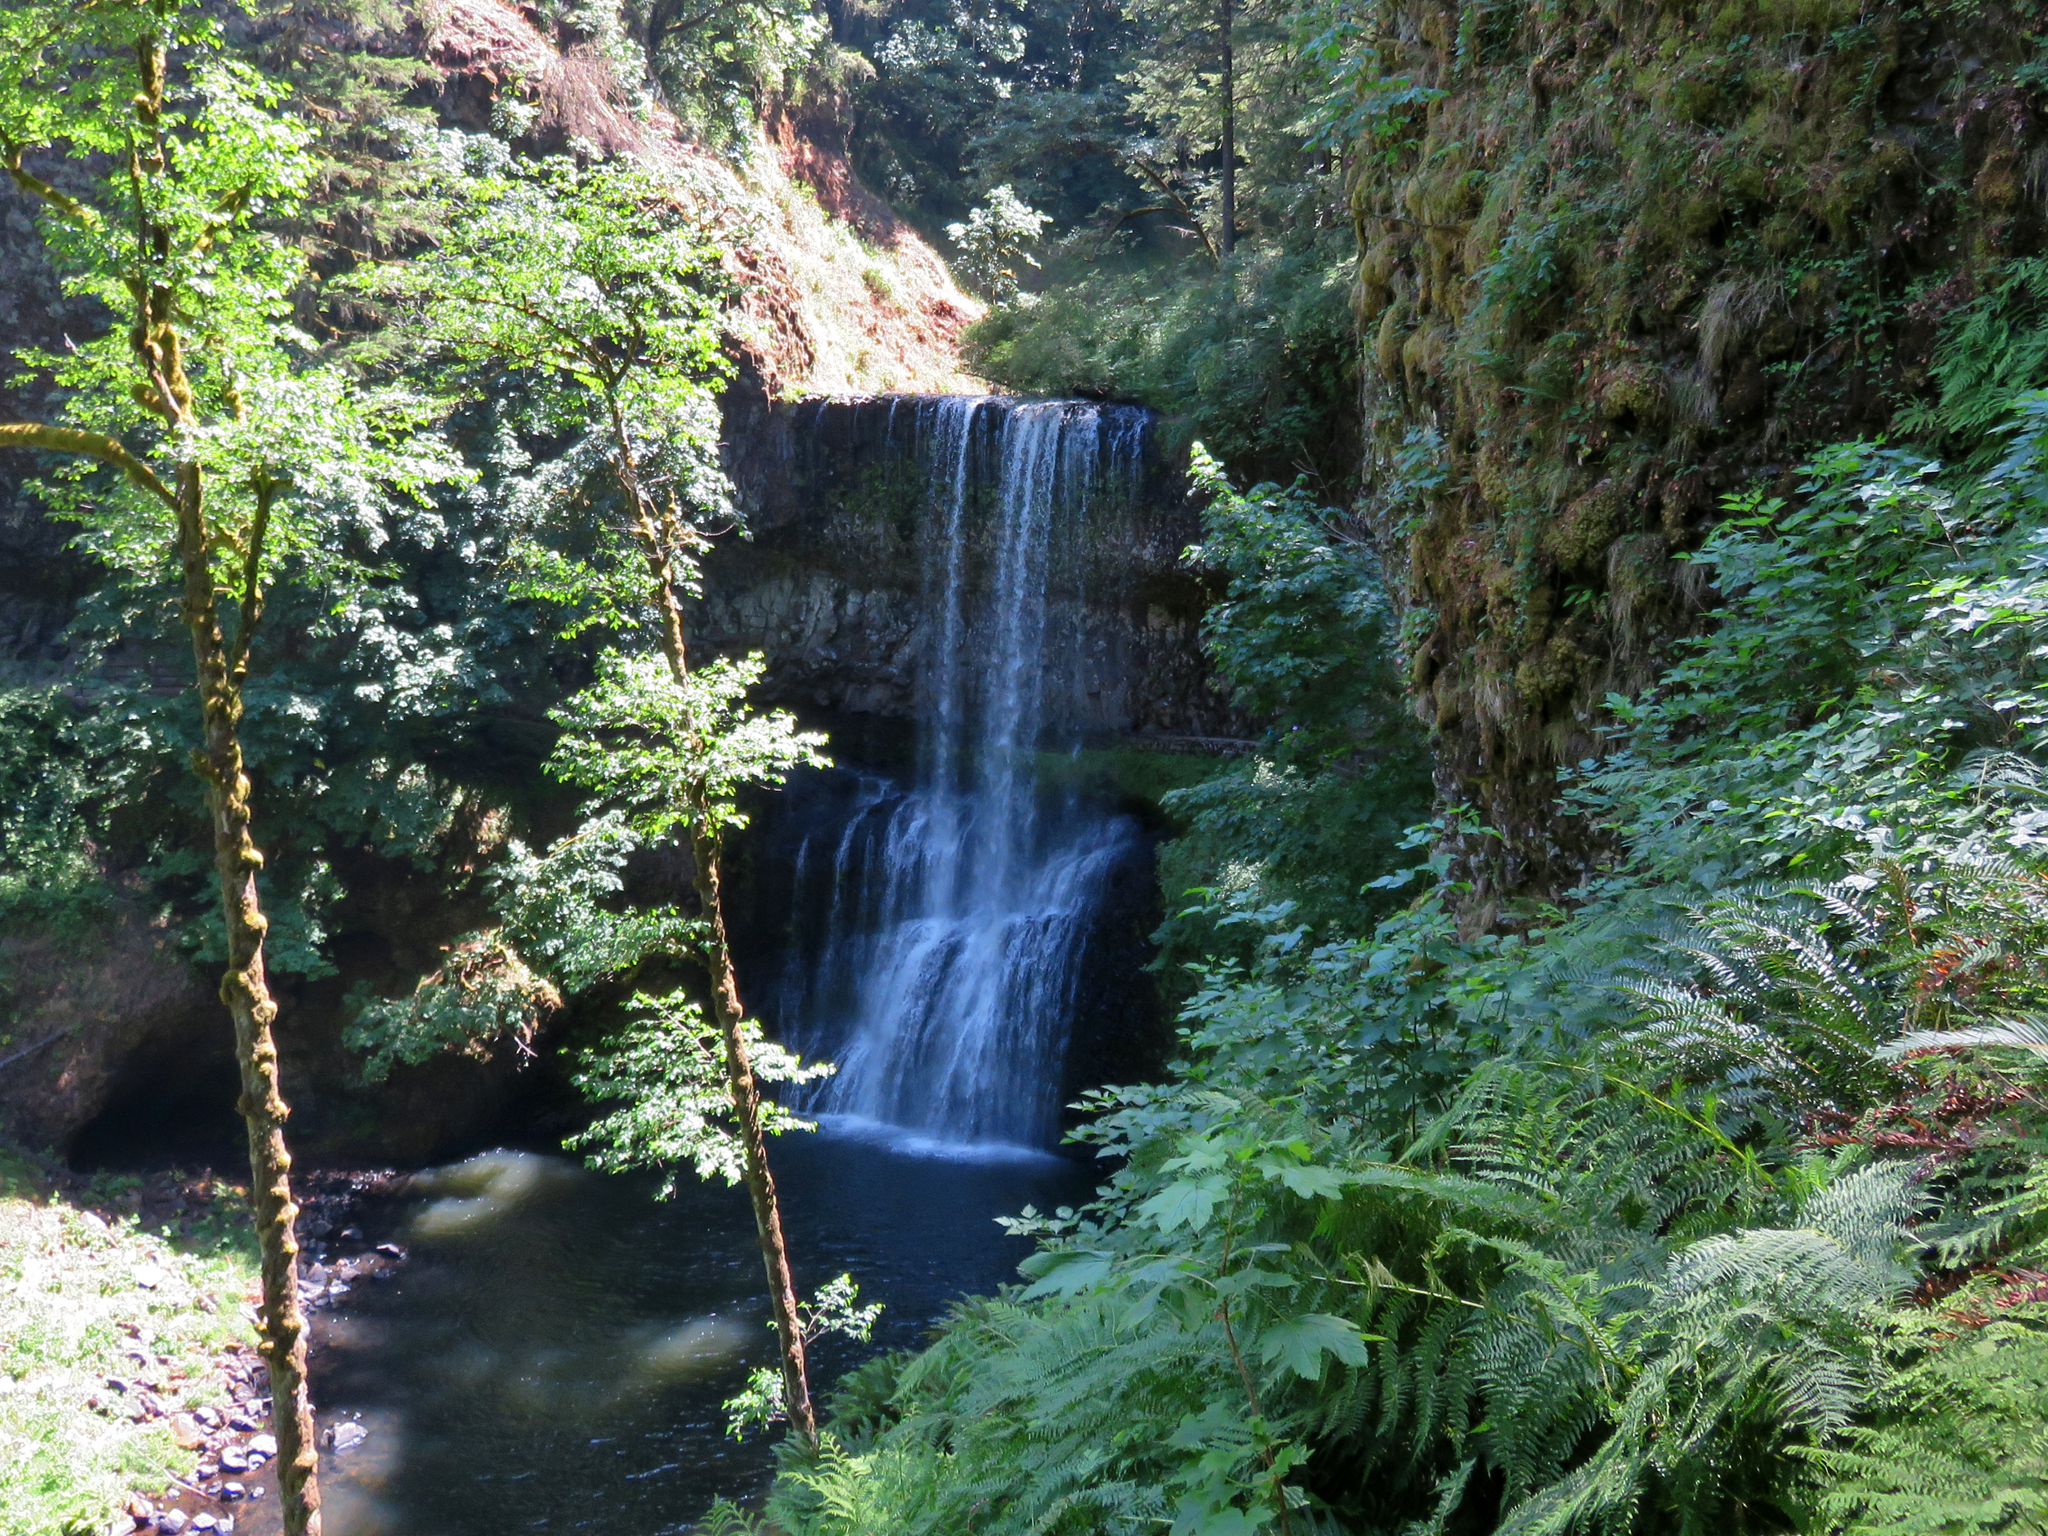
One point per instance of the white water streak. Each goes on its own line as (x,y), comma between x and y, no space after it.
(956,920)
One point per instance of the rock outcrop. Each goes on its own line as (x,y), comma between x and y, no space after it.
(835,582)
(1617,263)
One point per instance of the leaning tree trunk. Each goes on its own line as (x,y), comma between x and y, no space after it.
(657,536)
(246,991)
(746,1103)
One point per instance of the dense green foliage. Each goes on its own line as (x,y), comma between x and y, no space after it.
(307,472)
(1618,264)
(1679,1169)
(396,730)
(1303,637)
(47,871)
(1105,120)
(1717,1203)
(602,303)
(1259,361)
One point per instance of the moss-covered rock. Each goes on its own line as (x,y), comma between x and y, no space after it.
(1616,261)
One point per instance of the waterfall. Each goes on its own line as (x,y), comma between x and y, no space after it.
(953,913)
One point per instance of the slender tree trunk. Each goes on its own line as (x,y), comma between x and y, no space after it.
(647,527)
(245,988)
(246,991)
(725,991)
(746,1103)
(1226,234)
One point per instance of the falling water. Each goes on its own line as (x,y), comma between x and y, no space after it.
(957,910)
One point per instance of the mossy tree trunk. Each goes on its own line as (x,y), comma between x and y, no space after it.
(164,389)
(246,991)
(221,667)
(660,533)
(746,1101)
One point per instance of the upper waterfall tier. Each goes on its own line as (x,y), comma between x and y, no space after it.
(844,504)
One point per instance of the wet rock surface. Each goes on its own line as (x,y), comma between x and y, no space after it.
(844,498)
(233,1490)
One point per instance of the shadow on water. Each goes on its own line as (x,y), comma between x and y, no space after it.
(553,1354)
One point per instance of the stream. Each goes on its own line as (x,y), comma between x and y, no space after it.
(553,1352)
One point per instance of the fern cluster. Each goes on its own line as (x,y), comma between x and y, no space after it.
(1719,1204)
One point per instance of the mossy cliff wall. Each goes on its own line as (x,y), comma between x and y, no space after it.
(1618,260)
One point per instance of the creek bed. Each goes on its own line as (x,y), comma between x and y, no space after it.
(553,1353)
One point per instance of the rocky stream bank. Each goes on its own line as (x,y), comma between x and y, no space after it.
(132,1396)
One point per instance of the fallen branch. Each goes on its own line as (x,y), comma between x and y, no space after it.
(30,1050)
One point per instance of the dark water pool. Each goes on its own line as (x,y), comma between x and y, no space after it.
(553,1353)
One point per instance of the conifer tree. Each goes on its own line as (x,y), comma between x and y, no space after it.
(1219,82)
(1186,83)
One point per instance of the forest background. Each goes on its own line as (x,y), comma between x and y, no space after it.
(1623,476)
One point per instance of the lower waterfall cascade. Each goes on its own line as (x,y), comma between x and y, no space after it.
(953,914)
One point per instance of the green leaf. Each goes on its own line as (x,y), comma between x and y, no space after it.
(1186,1203)
(1065,1272)
(1217,1522)
(1301,1343)
(1311,1181)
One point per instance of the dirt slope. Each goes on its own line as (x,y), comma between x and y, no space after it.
(841,296)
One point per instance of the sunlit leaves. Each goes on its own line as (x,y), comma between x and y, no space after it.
(1877,630)
(292,474)
(600,295)
(673,753)
(834,1312)
(665,1077)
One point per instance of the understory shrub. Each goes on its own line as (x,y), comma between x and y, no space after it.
(1259,360)
(1715,1203)
(1303,637)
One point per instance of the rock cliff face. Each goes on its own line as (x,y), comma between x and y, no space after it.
(837,583)
(127,1059)
(1618,261)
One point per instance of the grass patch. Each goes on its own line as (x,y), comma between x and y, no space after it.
(90,1294)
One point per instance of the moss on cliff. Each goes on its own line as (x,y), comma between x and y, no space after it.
(1616,259)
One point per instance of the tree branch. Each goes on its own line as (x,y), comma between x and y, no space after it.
(252,580)
(577,344)
(1146,168)
(1129,213)
(70,207)
(28,434)
(663,21)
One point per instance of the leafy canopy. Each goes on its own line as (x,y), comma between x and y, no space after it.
(671,753)
(302,462)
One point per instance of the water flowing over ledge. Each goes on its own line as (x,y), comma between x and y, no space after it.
(846,501)
(944,920)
